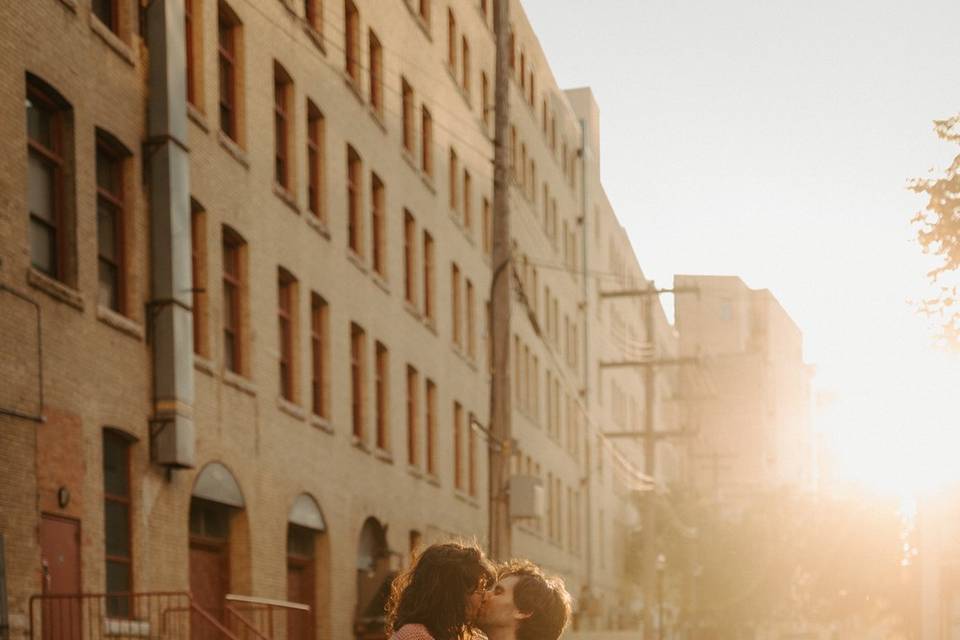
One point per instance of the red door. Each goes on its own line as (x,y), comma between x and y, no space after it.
(300,589)
(209,581)
(60,565)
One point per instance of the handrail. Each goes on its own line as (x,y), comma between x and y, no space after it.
(267,602)
(246,623)
(209,618)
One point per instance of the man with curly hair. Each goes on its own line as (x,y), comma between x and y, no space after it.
(524,604)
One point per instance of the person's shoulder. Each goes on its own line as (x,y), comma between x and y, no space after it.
(412,632)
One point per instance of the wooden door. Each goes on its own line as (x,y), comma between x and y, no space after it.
(300,589)
(60,566)
(209,583)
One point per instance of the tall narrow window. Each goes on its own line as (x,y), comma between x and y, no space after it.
(233,293)
(47,192)
(485,99)
(455,303)
(471,457)
(351,30)
(487,228)
(471,327)
(426,142)
(282,99)
(190,33)
(379,223)
(431,428)
(383,397)
(467,201)
(110,225)
(424,11)
(453,177)
(429,304)
(319,341)
(376,74)
(198,270)
(408,115)
(451,41)
(108,12)
(117,519)
(409,258)
(228,30)
(286,323)
(313,14)
(413,381)
(316,178)
(354,201)
(465,64)
(458,447)
(357,380)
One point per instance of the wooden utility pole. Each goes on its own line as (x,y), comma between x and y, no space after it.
(500,410)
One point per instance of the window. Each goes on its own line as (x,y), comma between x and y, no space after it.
(319,341)
(383,397)
(431,428)
(467,208)
(465,63)
(454,174)
(471,328)
(409,258)
(234,276)
(426,142)
(49,196)
(198,271)
(376,75)
(471,457)
(287,325)
(110,225)
(378,220)
(429,306)
(485,99)
(316,174)
(108,12)
(458,466)
(455,318)
(451,41)
(408,132)
(487,228)
(357,380)
(282,99)
(354,197)
(351,29)
(424,11)
(117,518)
(313,14)
(192,36)
(413,381)
(228,29)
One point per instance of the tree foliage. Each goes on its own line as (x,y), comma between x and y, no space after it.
(939,235)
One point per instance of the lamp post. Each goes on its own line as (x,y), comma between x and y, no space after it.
(661,567)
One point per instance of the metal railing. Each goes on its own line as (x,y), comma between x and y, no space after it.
(251,618)
(169,615)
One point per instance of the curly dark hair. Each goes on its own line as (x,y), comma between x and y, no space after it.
(433,591)
(545,598)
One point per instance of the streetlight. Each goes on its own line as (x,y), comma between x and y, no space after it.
(661,567)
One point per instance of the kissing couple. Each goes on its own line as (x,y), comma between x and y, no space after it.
(451,590)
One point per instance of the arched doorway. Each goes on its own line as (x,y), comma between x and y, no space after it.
(374,575)
(307,562)
(215,503)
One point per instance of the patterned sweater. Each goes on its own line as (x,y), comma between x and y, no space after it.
(411,632)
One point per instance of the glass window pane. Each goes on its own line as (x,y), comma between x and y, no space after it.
(115,477)
(117,528)
(118,581)
(106,231)
(42,250)
(104,10)
(38,123)
(107,172)
(107,289)
(40,188)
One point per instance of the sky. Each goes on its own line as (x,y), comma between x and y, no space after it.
(773,140)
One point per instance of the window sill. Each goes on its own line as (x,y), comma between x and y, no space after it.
(198,117)
(112,40)
(409,158)
(70,4)
(315,37)
(357,443)
(321,423)
(414,471)
(377,117)
(411,308)
(428,181)
(55,289)
(380,282)
(233,149)
(238,382)
(286,197)
(433,479)
(120,322)
(354,86)
(431,325)
(291,408)
(318,225)
(464,93)
(463,497)
(356,260)
(383,455)
(203,365)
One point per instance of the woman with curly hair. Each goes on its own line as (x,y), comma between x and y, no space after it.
(439,595)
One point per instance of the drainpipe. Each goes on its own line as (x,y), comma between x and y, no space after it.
(586,340)
(172,437)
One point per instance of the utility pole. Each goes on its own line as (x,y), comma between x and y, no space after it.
(500,410)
